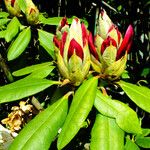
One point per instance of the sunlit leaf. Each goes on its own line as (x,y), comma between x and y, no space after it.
(41,73)
(126,118)
(140,95)
(22,5)
(106,135)
(41,131)
(3,21)
(12,29)
(130,145)
(30,69)
(4,14)
(80,107)
(143,142)
(2,33)
(46,41)
(23,88)
(20,44)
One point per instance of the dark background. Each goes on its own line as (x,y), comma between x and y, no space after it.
(135,12)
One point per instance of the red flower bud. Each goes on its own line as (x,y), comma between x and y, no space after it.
(72,52)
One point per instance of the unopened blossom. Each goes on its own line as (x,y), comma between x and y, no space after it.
(32,12)
(12,7)
(72,50)
(109,49)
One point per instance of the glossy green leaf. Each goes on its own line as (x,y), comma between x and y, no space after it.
(30,69)
(143,142)
(125,117)
(12,29)
(20,44)
(46,41)
(2,34)
(130,145)
(23,88)
(50,21)
(140,95)
(4,14)
(22,5)
(80,107)
(106,135)
(56,20)
(41,73)
(39,133)
(3,21)
(145,132)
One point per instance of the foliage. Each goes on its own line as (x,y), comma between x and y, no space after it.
(107,108)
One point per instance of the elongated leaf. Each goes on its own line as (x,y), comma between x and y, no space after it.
(41,131)
(80,107)
(130,145)
(56,20)
(12,29)
(20,44)
(46,41)
(126,118)
(4,14)
(3,21)
(106,135)
(2,34)
(50,21)
(140,95)
(23,88)
(22,5)
(31,69)
(143,142)
(41,73)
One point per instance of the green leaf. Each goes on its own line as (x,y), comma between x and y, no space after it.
(2,34)
(143,142)
(130,145)
(80,107)
(20,44)
(23,88)
(41,73)
(3,21)
(30,69)
(140,95)
(4,14)
(50,21)
(12,29)
(22,5)
(125,117)
(41,131)
(46,41)
(145,72)
(106,135)
(145,132)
